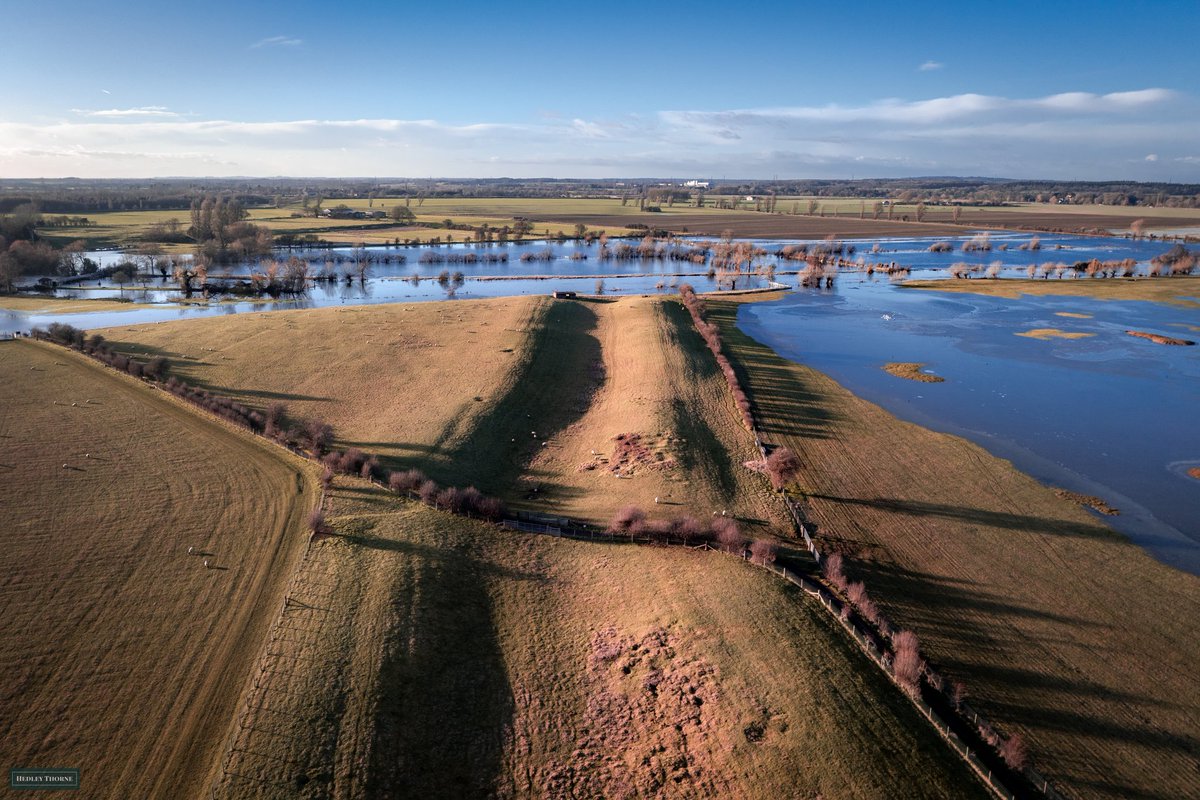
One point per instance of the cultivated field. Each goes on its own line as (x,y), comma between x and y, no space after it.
(1183,291)
(521,397)
(122,655)
(841,217)
(423,655)
(1061,630)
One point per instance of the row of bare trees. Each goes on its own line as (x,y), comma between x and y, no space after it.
(721,532)
(712,339)
(908,666)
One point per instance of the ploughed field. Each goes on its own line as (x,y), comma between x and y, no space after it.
(1061,630)
(425,655)
(123,655)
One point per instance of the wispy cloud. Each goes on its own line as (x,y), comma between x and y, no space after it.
(277,41)
(142,111)
(929,66)
(1069,135)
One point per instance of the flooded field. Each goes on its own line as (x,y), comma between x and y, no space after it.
(1055,384)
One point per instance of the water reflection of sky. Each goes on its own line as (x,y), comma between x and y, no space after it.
(1109,414)
(1105,415)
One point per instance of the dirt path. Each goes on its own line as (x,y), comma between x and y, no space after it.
(154,649)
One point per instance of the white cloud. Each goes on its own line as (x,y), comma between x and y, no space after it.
(277,41)
(1152,157)
(1068,135)
(929,66)
(143,111)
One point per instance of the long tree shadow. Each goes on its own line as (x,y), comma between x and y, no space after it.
(444,697)
(774,385)
(551,389)
(977,516)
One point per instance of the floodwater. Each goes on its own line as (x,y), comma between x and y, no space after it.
(1107,414)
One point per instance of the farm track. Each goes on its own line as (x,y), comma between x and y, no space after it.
(185,702)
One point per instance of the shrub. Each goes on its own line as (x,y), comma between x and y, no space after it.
(782,466)
(907,666)
(317,435)
(428,492)
(689,528)
(371,470)
(156,368)
(1014,752)
(316,521)
(958,693)
(490,508)
(728,535)
(833,569)
(408,481)
(763,552)
(627,520)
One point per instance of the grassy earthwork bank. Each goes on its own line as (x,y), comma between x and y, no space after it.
(1182,291)
(425,655)
(567,408)
(123,655)
(1061,630)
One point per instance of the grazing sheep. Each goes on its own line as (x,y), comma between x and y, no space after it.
(206,564)
(191,550)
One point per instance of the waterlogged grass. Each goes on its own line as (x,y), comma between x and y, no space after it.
(1182,291)
(1053,333)
(911,370)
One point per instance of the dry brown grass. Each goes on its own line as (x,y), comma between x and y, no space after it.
(63,305)
(1183,291)
(122,655)
(911,370)
(1089,501)
(522,397)
(429,656)
(1158,338)
(1063,631)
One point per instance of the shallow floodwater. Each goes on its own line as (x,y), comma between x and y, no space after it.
(1108,414)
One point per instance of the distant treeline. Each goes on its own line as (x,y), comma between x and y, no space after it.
(78,196)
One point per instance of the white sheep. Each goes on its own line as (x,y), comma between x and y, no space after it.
(206,564)
(191,550)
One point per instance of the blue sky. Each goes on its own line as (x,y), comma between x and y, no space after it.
(703,89)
